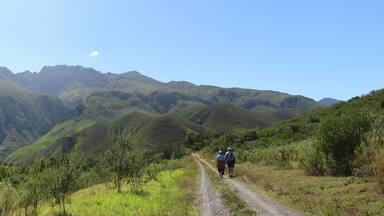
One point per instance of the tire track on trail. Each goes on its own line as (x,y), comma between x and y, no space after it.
(261,205)
(210,202)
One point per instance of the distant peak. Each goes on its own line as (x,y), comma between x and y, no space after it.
(5,69)
(135,72)
(135,75)
(67,68)
(329,101)
(5,72)
(181,84)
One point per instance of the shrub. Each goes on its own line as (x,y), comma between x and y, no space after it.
(312,160)
(339,137)
(8,199)
(379,170)
(295,128)
(314,119)
(248,136)
(124,159)
(363,163)
(282,160)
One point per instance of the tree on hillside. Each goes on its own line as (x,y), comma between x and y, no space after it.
(124,159)
(62,176)
(33,189)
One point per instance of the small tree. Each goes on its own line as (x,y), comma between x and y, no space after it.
(62,177)
(124,159)
(33,189)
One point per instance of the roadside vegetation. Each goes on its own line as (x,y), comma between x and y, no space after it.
(126,180)
(329,161)
(170,192)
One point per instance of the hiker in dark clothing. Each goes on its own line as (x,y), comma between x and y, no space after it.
(231,160)
(220,163)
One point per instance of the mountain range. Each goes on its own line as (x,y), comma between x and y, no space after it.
(48,112)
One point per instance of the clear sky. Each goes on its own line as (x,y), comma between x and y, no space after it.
(319,48)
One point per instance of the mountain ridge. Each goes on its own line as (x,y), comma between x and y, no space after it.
(99,98)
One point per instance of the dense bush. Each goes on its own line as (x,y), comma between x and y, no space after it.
(369,160)
(379,169)
(339,137)
(279,156)
(312,160)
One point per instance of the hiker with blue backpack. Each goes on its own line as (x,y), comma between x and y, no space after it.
(231,160)
(220,163)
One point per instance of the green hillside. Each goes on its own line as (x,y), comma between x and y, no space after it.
(25,116)
(224,117)
(164,134)
(99,98)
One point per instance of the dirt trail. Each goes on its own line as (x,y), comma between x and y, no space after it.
(210,202)
(256,202)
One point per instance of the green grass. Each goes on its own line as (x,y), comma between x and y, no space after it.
(172,193)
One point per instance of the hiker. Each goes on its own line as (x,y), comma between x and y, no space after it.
(220,163)
(231,160)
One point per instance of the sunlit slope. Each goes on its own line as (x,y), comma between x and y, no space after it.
(225,117)
(25,116)
(164,134)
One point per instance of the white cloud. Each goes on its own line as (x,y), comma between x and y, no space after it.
(94,54)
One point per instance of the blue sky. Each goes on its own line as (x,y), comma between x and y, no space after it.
(313,48)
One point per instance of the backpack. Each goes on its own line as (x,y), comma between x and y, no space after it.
(220,157)
(230,156)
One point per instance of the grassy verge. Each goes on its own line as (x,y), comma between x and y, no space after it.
(315,195)
(236,206)
(171,193)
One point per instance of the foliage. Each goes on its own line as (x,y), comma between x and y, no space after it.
(8,199)
(312,160)
(378,165)
(124,159)
(339,137)
(195,141)
(62,176)
(171,192)
(33,189)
